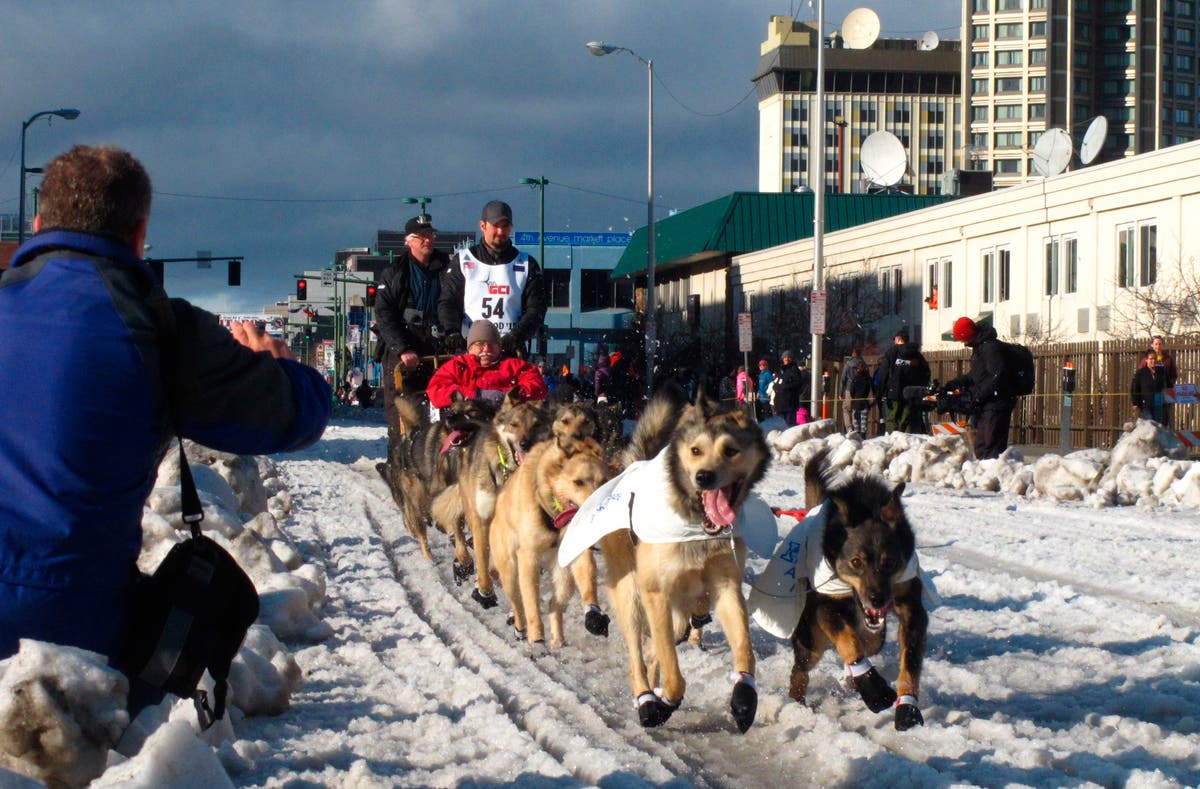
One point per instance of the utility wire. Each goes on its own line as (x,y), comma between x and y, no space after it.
(397,198)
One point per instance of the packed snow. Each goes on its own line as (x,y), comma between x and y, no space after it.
(1064,651)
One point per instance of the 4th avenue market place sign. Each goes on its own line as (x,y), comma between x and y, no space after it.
(530,239)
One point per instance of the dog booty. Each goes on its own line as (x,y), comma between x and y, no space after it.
(875,690)
(654,710)
(462,572)
(743,705)
(485,601)
(596,622)
(907,714)
(700,621)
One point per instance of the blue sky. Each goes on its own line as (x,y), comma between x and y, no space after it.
(283,131)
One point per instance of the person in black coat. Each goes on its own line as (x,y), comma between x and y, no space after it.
(788,386)
(1148,382)
(406,312)
(988,386)
(909,368)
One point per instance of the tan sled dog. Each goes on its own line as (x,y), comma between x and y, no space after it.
(493,456)
(672,546)
(531,513)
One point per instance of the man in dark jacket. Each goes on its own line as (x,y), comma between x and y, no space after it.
(406,311)
(119,368)
(1147,386)
(987,385)
(788,385)
(909,368)
(495,281)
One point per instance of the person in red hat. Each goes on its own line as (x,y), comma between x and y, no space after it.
(987,386)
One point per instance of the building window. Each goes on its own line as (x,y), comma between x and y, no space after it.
(1037,84)
(1008,167)
(1184,35)
(1009,5)
(1183,115)
(989,274)
(1008,139)
(979,87)
(1126,275)
(980,112)
(1037,111)
(981,32)
(1148,255)
(946,292)
(596,291)
(1037,29)
(1004,274)
(1052,266)
(1038,5)
(1010,57)
(558,287)
(979,59)
(1070,261)
(1037,57)
(1083,57)
(1183,63)
(1183,90)
(890,288)
(1008,112)
(980,6)
(1012,30)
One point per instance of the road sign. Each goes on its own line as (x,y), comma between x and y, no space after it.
(816,320)
(327,278)
(745,332)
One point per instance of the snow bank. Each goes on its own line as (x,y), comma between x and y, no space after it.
(62,710)
(1148,466)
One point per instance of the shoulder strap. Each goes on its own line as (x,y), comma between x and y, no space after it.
(168,336)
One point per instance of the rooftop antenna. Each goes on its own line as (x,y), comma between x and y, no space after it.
(860,28)
(929,41)
(1093,139)
(883,159)
(1052,153)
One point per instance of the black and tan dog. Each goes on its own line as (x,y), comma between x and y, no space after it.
(532,512)
(427,457)
(670,529)
(867,569)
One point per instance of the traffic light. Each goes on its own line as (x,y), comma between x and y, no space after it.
(235,273)
(372,289)
(301,289)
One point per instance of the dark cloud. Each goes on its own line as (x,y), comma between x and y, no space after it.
(368,102)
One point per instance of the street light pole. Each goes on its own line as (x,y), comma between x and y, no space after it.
(67,114)
(540,183)
(599,48)
(818,280)
(420,201)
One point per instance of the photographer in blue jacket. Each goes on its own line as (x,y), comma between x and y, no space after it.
(99,370)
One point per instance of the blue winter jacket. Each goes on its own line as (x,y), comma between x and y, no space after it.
(84,426)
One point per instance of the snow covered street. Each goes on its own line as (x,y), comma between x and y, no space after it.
(1065,654)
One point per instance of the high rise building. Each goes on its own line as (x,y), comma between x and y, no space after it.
(891,86)
(1033,65)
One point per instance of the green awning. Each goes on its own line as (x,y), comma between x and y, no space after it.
(749,221)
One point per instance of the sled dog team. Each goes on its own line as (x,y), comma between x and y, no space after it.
(524,492)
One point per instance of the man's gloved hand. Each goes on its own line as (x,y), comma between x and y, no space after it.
(455,343)
(510,345)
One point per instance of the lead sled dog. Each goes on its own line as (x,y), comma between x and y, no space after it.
(672,529)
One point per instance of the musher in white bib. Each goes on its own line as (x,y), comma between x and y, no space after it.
(493,280)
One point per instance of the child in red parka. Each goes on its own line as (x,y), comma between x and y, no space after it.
(482,373)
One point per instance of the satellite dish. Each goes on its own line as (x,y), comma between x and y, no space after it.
(929,42)
(1093,139)
(861,28)
(1052,153)
(883,159)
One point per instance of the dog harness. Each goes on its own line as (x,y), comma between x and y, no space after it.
(634,500)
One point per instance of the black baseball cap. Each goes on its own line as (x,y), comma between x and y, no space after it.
(419,224)
(496,210)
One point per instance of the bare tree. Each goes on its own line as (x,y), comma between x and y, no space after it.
(1168,305)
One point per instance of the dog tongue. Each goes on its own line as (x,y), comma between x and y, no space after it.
(716,507)
(455,438)
(563,518)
